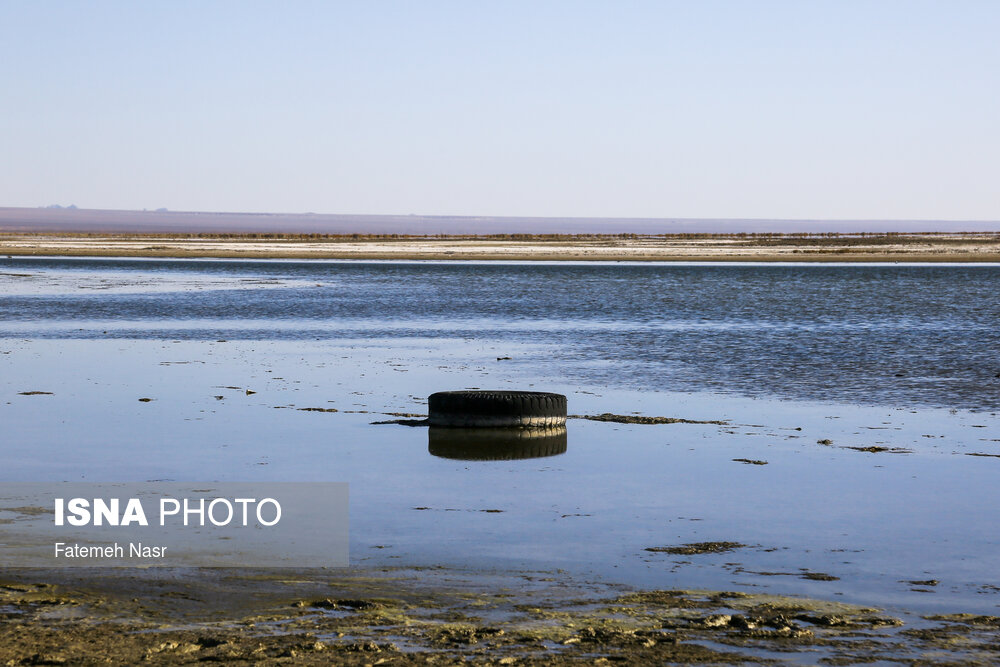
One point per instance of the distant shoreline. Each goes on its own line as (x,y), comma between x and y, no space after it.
(967,247)
(110,221)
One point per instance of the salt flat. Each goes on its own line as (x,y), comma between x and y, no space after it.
(924,247)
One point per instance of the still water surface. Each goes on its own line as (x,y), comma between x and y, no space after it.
(896,357)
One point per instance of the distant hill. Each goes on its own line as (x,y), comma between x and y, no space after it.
(163,221)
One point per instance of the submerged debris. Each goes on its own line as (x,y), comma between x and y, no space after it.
(405,422)
(803,573)
(695,548)
(877,449)
(921,582)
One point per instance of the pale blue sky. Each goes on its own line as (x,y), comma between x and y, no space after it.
(807,109)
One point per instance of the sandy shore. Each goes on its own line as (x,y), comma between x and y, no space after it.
(966,247)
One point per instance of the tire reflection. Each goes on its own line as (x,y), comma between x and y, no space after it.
(495,444)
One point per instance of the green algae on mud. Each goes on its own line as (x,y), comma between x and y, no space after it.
(433,615)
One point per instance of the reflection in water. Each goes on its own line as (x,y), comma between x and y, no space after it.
(496,444)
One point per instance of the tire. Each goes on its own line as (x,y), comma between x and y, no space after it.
(525,409)
(495,444)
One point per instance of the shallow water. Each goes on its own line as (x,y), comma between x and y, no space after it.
(877,334)
(898,357)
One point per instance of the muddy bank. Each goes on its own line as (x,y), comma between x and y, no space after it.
(438,616)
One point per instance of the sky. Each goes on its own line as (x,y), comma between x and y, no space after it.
(814,109)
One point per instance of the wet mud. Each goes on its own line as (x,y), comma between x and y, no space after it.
(640,419)
(408,617)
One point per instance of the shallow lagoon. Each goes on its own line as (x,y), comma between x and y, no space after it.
(864,356)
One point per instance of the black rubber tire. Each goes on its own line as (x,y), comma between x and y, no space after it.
(495,444)
(525,409)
